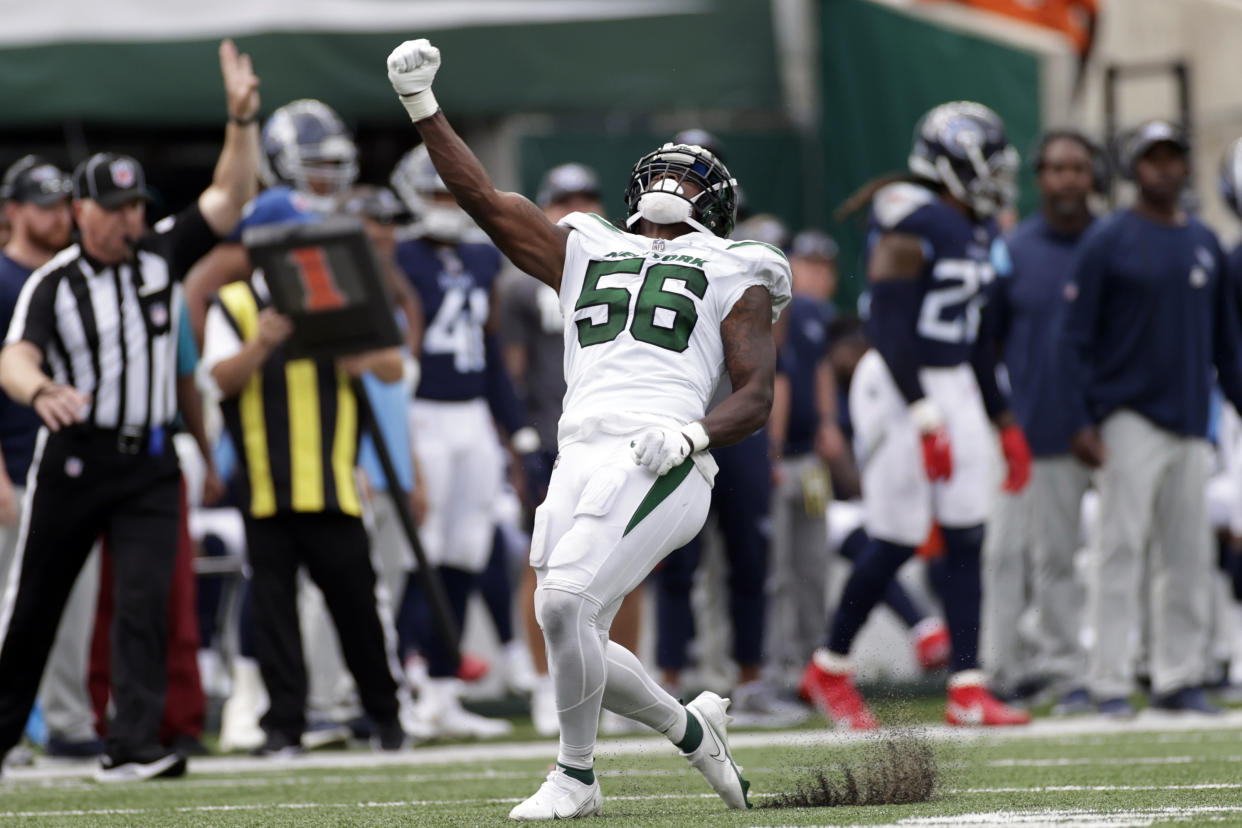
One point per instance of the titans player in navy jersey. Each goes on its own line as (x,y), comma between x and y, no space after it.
(925,392)
(1033,535)
(1150,315)
(463,385)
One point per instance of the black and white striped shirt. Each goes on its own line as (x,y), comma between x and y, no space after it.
(111,331)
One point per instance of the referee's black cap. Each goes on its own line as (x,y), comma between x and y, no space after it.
(32,179)
(110,179)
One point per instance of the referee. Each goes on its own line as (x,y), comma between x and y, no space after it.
(103,317)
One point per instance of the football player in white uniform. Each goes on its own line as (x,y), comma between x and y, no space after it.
(652,319)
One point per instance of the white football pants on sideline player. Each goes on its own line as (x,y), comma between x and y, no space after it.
(462,467)
(899,501)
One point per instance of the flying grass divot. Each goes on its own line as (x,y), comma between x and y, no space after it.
(897,768)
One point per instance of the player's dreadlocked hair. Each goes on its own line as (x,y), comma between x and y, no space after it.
(861,197)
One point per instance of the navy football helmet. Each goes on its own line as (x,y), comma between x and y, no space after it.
(962,145)
(1231,177)
(306,146)
(655,190)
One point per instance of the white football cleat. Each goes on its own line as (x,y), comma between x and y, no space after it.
(712,757)
(561,797)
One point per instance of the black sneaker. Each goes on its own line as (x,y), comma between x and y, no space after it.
(279,746)
(149,763)
(389,736)
(1186,700)
(72,749)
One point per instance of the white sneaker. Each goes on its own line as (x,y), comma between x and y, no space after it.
(712,757)
(239,718)
(561,797)
(440,708)
(543,707)
(517,667)
(756,704)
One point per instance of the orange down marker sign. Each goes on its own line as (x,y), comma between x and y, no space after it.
(321,290)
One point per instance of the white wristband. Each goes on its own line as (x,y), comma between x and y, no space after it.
(697,435)
(926,415)
(525,440)
(420,105)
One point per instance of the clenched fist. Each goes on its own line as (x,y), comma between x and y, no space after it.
(412,67)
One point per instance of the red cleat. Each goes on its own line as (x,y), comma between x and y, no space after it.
(931,644)
(832,691)
(971,704)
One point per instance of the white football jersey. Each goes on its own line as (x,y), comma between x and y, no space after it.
(642,322)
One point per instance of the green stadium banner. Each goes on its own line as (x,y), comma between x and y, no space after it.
(630,56)
(880,70)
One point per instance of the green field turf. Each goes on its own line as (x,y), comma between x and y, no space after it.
(1154,771)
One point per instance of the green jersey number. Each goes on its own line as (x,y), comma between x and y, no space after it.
(661,317)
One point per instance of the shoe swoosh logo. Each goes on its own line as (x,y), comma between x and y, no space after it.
(716,740)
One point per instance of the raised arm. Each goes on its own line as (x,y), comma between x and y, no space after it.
(236,177)
(519,228)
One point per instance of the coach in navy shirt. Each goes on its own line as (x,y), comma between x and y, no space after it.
(1033,535)
(1148,318)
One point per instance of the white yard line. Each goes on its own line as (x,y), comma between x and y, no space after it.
(1227,727)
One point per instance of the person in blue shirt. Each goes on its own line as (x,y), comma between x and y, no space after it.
(1033,535)
(805,435)
(1149,317)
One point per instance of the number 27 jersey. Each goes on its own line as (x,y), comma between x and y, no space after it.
(957,271)
(642,322)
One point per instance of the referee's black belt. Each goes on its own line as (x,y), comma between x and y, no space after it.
(131,440)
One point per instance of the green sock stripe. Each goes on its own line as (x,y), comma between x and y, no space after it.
(694,734)
(585,776)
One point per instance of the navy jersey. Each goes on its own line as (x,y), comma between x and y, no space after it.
(1033,267)
(1149,314)
(957,270)
(454,283)
(806,344)
(19,424)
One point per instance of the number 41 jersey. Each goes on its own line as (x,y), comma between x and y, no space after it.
(642,322)
(957,270)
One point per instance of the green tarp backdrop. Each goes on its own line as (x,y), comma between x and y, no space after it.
(882,69)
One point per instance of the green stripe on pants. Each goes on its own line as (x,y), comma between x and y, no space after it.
(662,488)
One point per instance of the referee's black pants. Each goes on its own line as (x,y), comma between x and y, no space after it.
(336,552)
(85,484)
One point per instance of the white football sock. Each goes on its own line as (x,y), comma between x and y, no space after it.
(633,693)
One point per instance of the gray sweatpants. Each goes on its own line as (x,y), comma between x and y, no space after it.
(66,702)
(1058,484)
(1152,486)
(1008,659)
(797,583)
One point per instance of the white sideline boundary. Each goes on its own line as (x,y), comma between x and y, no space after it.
(1227,724)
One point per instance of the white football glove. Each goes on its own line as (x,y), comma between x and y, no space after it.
(662,449)
(412,67)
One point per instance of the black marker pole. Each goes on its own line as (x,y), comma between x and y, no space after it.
(428,578)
